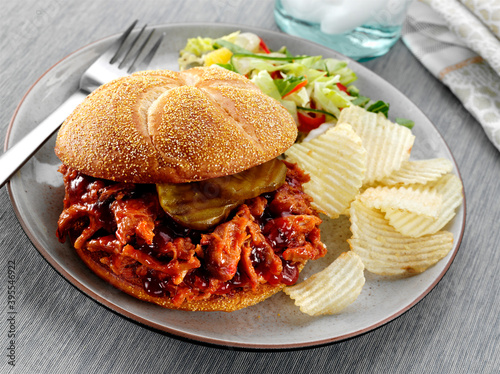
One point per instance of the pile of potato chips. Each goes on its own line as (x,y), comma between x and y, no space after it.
(397,207)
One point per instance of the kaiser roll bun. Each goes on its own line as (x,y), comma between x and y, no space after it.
(164,126)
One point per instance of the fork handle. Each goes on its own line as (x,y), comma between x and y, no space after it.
(18,154)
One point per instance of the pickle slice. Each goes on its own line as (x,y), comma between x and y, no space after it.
(204,204)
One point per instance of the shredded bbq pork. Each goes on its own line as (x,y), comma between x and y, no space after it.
(124,228)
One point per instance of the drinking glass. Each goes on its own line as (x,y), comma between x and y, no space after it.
(360,29)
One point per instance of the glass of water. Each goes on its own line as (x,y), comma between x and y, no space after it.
(360,29)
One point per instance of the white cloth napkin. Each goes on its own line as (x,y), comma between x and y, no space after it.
(458,42)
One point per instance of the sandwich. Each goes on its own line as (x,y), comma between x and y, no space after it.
(175,191)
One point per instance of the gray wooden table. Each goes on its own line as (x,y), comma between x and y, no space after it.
(455,329)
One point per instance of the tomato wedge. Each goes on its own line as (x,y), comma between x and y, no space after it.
(263,46)
(276,74)
(310,121)
(341,87)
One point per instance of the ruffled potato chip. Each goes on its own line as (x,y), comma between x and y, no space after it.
(385,251)
(332,289)
(426,202)
(336,163)
(418,171)
(387,144)
(417,225)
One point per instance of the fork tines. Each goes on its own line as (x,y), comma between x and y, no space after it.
(132,49)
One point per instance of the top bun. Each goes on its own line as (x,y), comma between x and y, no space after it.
(172,127)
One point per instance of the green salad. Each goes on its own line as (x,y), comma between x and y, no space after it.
(312,88)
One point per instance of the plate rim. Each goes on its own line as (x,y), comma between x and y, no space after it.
(203,339)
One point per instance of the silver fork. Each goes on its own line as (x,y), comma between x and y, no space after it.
(108,66)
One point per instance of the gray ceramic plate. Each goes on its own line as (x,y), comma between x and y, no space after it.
(37,193)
